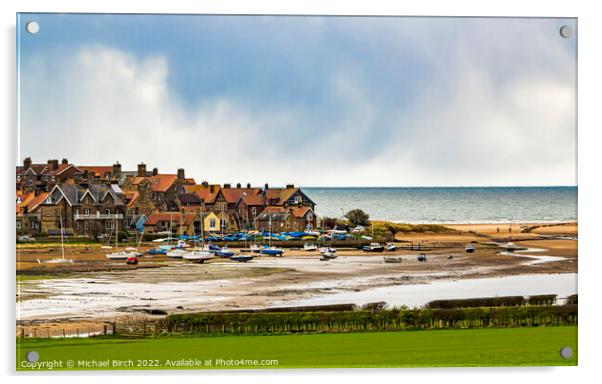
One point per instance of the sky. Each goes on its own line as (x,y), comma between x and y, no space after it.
(315,101)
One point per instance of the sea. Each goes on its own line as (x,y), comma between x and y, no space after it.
(431,205)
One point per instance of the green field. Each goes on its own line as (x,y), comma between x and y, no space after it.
(427,348)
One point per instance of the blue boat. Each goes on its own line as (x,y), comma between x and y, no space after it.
(224,252)
(242,258)
(272,251)
(157,251)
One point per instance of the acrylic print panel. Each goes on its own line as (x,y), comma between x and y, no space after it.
(234,192)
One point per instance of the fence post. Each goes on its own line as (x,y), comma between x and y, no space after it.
(104,330)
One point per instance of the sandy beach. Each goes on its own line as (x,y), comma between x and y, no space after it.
(93,290)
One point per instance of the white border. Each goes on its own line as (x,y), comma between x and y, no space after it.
(589,175)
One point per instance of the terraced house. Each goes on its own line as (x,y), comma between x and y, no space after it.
(94,200)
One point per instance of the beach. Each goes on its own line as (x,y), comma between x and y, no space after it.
(92,291)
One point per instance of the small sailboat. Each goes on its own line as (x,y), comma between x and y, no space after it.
(132,260)
(242,258)
(421,257)
(224,252)
(125,254)
(272,251)
(62,259)
(255,248)
(374,247)
(177,253)
(197,256)
(309,247)
(391,247)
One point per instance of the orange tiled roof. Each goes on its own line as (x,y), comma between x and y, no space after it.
(36,201)
(159,183)
(26,198)
(232,195)
(258,199)
(98,171)
(131,197)
(300,211)
(174,217)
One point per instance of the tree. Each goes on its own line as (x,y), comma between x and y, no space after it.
(357,217)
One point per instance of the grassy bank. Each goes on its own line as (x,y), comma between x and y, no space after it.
(437,348)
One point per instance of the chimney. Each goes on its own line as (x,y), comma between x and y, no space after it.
(117,170)
(64,161)
(290,186)
(211,189)
(266,186)
(205,183)
(27,163)
(227,186)
(181,174)
(53,165)
(141,170)
(248,185)
(238,185)
(155,171)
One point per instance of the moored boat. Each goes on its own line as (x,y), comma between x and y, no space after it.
(176,253)
(392,259)
(242,258)
(374,247)
(272,251)
(469,248)
(197,256)
(309,247)
(390,247)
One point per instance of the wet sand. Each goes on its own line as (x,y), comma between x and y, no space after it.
(93,289)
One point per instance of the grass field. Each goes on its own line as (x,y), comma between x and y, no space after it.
(435,348)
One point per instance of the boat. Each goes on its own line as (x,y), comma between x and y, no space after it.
(374,247)
(328,256)
(312,233)
(242,258)
(157,251)
(132,260)
(126,253)
(197,256)
(392,259)
(309,247)
(390,247)
(255,248)
(224,252)
(324,250)
(469,248)
(421,257)
(272,251)
(176,253)
(62,258)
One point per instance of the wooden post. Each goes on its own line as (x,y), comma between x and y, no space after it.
(77,332)
(104,332)
(64,336)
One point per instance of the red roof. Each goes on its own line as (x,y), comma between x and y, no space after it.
(98,171)
(36,201)
(174,217)
(159,183)
(232,195)
(131,197)
(300,211)
(26,198)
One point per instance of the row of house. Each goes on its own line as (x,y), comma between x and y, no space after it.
(94,200)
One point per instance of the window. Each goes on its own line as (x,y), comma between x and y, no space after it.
(223,223)
(298,199)
(86,212)
(212,223)
(86,225)
(108,211)
(254,211)
(34,225)
(18,225)
(109,224)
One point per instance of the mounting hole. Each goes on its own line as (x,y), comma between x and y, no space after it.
(32,27)
(32,356)
(566,352)
(566,31)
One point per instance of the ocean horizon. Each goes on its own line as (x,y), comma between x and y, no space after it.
(433,205)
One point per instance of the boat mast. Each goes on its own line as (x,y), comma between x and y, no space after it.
(62,242)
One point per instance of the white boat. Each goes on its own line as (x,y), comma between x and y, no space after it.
(62,259)
(359,228)
(122,255)
(309,247)
(469,248)
(390,247)
(328,256)
(176,253)
(324,250)
(511,246)
(255,248)
(198,256)
(374,247)
(312,233)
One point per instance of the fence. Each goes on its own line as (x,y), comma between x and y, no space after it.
(65,330)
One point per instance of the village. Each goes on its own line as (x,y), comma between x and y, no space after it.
(96,201)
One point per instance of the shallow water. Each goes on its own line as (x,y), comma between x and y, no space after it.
(419,294)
